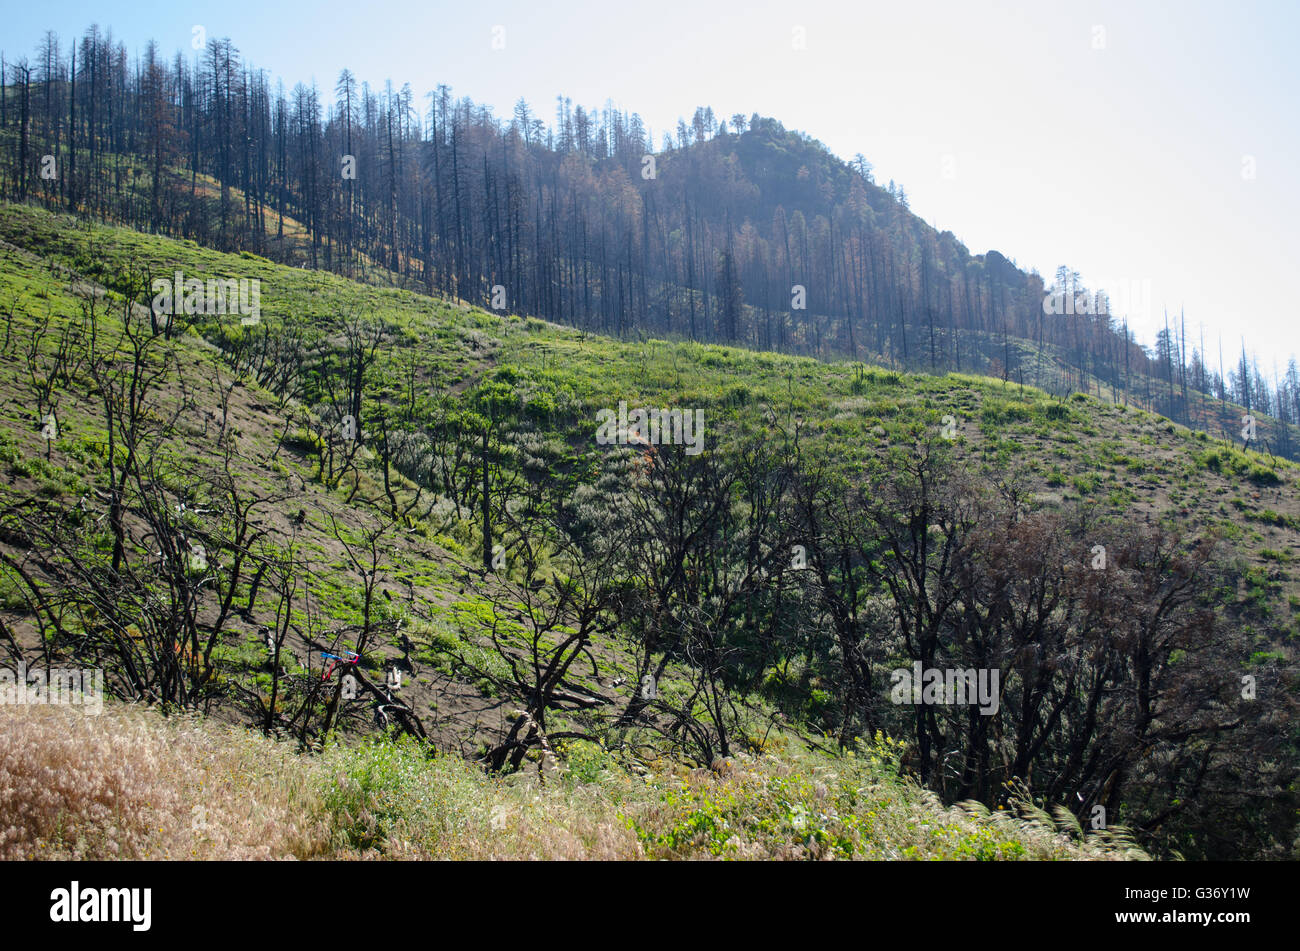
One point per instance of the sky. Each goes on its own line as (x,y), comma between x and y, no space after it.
(1143,144)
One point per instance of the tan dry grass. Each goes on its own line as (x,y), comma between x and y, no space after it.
(132,784)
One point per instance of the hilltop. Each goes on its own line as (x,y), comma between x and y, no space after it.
(730,229)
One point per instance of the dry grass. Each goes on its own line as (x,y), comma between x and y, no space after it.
(131,784)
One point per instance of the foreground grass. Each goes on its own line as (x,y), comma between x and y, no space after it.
(131,784)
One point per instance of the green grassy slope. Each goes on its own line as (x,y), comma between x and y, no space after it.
(438,361)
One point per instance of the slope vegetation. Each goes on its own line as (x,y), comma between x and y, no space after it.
(369,511)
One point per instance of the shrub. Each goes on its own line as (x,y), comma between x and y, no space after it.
(1262,475)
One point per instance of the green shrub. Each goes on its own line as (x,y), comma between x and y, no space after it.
(370,789)
(585,762)
(1262,475)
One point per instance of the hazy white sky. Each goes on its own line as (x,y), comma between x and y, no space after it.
(1116,137)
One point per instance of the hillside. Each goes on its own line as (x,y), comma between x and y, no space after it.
(202,523)
(733,230)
